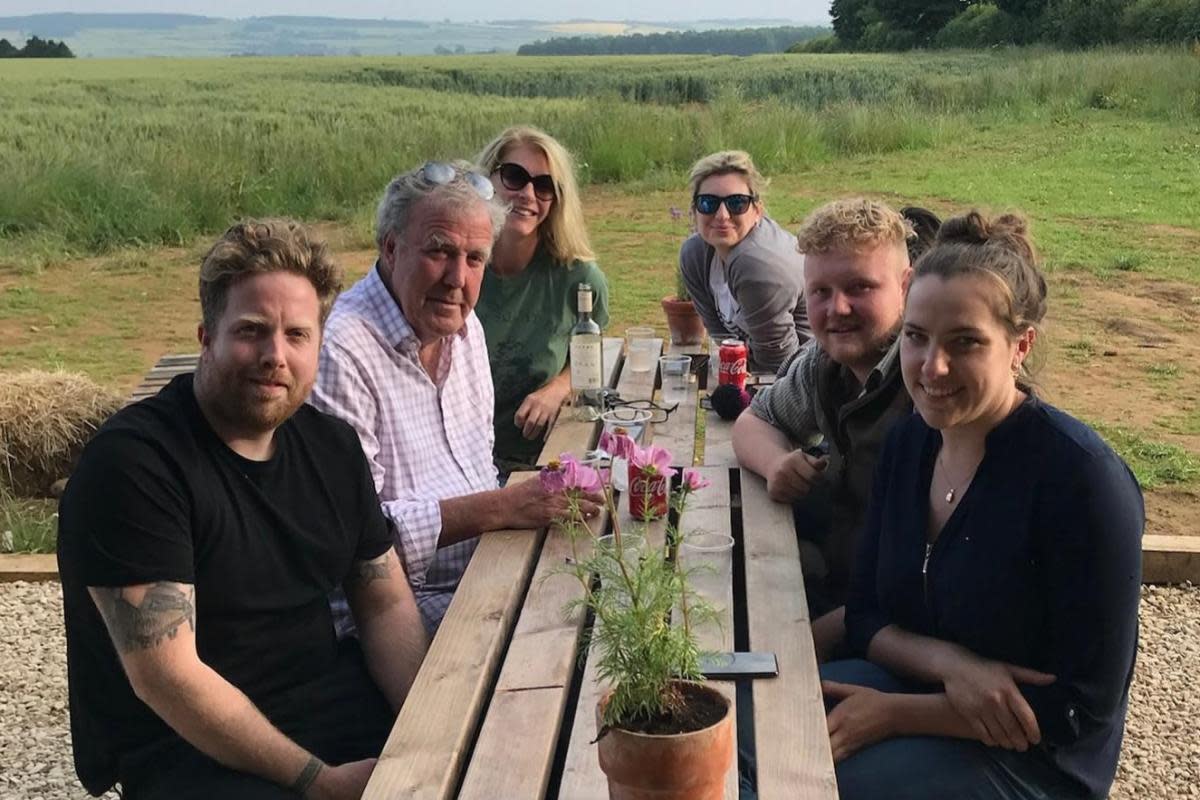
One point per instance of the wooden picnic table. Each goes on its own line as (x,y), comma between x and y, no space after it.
(503,707)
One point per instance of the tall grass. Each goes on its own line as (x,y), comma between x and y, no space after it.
(102,154)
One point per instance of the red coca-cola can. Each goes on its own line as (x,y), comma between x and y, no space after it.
(732,369)
(647,493)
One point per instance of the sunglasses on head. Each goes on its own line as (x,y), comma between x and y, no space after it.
(514,177)
(439,173)
(735,204)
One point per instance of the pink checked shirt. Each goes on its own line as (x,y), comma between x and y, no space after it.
(425,439)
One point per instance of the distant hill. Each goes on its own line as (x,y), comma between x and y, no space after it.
(734,42)
(189,35)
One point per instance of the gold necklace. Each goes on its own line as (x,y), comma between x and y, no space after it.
(953,492)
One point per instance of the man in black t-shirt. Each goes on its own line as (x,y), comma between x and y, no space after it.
(199,539)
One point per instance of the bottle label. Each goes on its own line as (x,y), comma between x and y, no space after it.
(586,369)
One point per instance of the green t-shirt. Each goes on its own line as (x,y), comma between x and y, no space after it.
(527,319)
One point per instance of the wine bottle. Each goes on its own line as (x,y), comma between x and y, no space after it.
(587,354)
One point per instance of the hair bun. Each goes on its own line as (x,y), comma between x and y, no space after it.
(1007,231)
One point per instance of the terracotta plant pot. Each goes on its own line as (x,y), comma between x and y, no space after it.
(683,766)
(685,324)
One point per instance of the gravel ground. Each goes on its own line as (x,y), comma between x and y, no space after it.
(1161,757)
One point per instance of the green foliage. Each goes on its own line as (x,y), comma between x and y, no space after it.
(99,155)
(1154,464)
(27,525)
(920,19)
(821,44)
(850,20)
(1161,21)
(633,591)
(980,25)
(36,48)
(734,41)
(1084,23)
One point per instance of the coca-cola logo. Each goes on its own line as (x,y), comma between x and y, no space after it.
(653,485)
(733,367)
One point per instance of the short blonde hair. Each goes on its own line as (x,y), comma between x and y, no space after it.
(853,224)
(258,247)
(727,162)
(564,233)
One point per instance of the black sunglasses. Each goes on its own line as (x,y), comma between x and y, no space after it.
(735,204)
(514,177)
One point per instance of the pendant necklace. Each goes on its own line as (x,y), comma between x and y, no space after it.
(953,491)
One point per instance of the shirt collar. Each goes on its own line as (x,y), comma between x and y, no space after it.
(888,363)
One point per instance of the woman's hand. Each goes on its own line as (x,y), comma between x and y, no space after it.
(985,693)
(540,408)
(861,718)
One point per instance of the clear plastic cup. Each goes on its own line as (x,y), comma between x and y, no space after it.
(676,372)
(640,348)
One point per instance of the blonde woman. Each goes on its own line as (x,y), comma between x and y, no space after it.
(742,270)
(527,303)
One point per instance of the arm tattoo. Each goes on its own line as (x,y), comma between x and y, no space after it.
(363,572)
(307,775)
(164,608)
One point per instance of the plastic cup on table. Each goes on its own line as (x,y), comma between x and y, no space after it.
(707,558)
(640,348)
(635,422)
(676,374)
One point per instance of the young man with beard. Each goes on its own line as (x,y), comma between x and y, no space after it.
(844,386)
(199,540)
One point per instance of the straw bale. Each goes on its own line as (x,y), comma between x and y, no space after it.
(45,420)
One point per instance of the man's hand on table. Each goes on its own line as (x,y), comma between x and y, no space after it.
(985,693)
(793,475)
(530,506)
(343,782)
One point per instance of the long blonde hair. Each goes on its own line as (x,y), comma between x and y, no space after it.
(563,234)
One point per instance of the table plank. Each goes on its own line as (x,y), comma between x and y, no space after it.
(424,755)
(678,433)
(638,385)
(576,436)
(531,692)
(582,778)
(708,511)
(793,754)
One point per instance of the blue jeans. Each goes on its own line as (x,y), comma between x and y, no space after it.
(932,768)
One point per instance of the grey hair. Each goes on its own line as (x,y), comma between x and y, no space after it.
(407,189)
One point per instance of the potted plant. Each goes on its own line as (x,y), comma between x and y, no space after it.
(682,319)
(684,323)
(661,733)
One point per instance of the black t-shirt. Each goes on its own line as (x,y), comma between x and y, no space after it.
(157,496)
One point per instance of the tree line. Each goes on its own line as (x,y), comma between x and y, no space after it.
(35,48)
(906,24)
(733,42)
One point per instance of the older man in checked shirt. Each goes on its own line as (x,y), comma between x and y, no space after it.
(404,361)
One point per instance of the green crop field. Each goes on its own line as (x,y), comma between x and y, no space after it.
(117,173)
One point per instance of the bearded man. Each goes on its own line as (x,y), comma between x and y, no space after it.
(200,538)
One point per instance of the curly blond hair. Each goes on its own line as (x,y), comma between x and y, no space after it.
(853,224)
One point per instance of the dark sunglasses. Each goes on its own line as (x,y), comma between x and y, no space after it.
(735,204)
(514,177)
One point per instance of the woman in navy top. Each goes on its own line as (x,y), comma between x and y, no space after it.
(996,589)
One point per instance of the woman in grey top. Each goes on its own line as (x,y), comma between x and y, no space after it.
(742,270)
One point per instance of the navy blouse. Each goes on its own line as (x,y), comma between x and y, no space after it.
(1039,565)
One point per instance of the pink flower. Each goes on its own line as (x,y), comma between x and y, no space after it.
(655,459)
(617,444)
(693,480)
(566,473)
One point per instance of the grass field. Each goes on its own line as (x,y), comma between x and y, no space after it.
(117,174)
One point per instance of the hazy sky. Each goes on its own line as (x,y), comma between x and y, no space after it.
(458,10)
